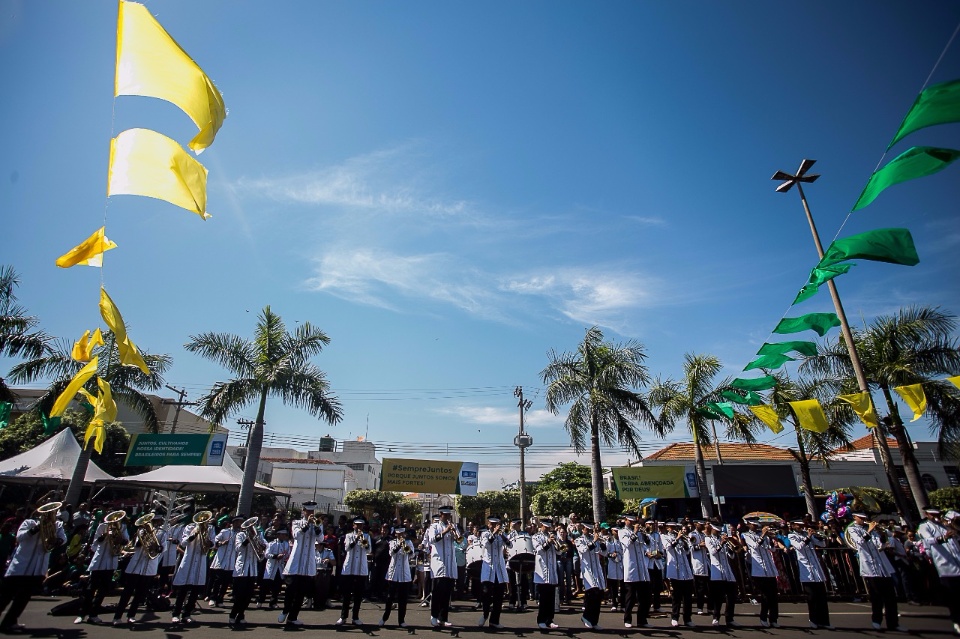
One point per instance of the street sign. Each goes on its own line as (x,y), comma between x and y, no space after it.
(147,449)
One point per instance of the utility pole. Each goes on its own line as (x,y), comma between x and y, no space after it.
(179,404)
(246,423)
(522,441)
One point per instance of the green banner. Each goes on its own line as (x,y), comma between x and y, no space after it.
(639,482)
(147,449)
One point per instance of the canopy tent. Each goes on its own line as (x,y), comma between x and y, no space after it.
(52,461)
(191,479)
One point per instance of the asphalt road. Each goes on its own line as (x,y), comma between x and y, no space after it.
(849,619)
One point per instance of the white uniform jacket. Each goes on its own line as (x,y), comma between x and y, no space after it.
(171,554)
(29,558)
(326,561)
(400,552)
(634,556)
(246,563)
(614,554)
(192,570)
(355,548)
(104,558)
(699,557)
(493,565)
(545,560)
(811,571)
(591,569)
(443,555)
(303,549)
(760,553)
(277,552)
(873,562)
(140,563)
(226,554)
(654,551)
(675,550)
(944,551)
(720,569)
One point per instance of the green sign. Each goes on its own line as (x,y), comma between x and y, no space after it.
(184,450)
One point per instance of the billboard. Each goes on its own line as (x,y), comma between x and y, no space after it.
(429,476)
(664,482)
(148,449)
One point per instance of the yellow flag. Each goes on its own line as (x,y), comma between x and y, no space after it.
(863,407)
(150,63)
(955,380)
(144,162)
(768,415)
(106,406)
(73,387)
(89,252)
(129,355)
(915,398)
(83,347)
(810,415)
(105,411)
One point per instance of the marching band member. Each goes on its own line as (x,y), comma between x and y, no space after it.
(589,548)
(764,571)
(277,552)
(191,576)
(700,562)
(28,566)
(636,577)
(812,576)
(326,564)
(301,566)
(723,582)
(493,571)
(679,573)
(398,577)
(614,554)
(171,552)
(519,579)
(353,574)
(245,569)
(141,570)
(221,568)
(443,566)
(655,562)
(940,542)
(108,539)
(876,571)
(545,573)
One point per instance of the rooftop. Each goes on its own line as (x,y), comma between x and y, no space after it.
(865,443)
(729,452)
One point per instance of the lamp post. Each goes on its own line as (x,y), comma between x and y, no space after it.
(522,441)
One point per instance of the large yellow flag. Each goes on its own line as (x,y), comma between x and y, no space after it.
(810,415)
(915,398)
(768,415)
(129,355)
(105,410)
(83,347)
(863,407)
(81,378)
(150,63)
(89,252)
(144,162)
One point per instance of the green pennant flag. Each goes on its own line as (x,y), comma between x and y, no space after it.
(50,424)
(778,348)
(939,104)
(818,276)
(819,322)
(717,410)
(5,414)
(894,246)
(750,398)
(761,383)
(915,162)
(774,360)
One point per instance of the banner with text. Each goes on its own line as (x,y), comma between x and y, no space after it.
(428,476)
(147,449)
(664,482)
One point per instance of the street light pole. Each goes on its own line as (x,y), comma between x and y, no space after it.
(522,441)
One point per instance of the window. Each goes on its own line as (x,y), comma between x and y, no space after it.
(929,483)
(953,475)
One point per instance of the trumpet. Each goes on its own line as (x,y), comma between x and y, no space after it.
(253,536)
(202,520)
(48,524)
(557,544)
(114,532)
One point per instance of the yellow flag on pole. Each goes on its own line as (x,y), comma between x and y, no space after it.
(768,415)
(129,355)
(81,378)
(105,411)
(915,398)
(955,380)
(863,407)
(89,252)
(83,347)
(144,162)
(150,63)
(810,415)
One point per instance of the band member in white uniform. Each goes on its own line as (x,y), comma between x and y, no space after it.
(221,568)
(812,577)
(493,571)
(589,547)
(679,573)
(326,565)
(191,576)
(277,552)
(876,570)
(517,572)
(398,577)
(723,581)
(655,562)
(107,541)
(245,569)
(614,555)
(443,566)
(27,568)
(763,570)
(353,574)
(171,553)
(941,543)
(141,570)
(301,566)
(700,562)
(636,577)
(545,572)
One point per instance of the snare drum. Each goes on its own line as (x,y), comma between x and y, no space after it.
(520,556)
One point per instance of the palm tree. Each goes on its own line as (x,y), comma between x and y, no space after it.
(598,380)
(912,347)
(17,335)
(274,363)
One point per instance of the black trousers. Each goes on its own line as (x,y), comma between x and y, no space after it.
(352,588)
(186,601)
(723,592)
(769,598)
(519,587)
(613,592)
(440,599)
(16,592)
(817,607)
(321,589)
(492,599)
(701,589)
(548,595)
(591,605)
(98,587)
(636,594)
(219,581)
(397,591)
(298,587)
(656,587)
(271,587)
(134,592)
(883,600)
(682,599)
(951,592)
(242,594)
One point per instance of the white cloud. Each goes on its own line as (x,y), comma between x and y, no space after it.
(647,220)
(499,416)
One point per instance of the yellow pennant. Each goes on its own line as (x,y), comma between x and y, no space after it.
(83,347)
(81,378)
(129,355)
(810,415)
(768,415)
(863,407)
(105,410)
(955,380)
(150,63)
(106,406)
(144,162)
(89,252)
(915,398)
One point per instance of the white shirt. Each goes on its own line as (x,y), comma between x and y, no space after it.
(277,552)
(805,546)
(591,570)
(140,563)
(677,558)
(760,552)
(29,557)
(226,555)
(399,568)
(104,558)
(245,563)
(545,560)
(873,562)
(614,554)
(943,551)
(493,566)
(654,551)
(192,570)
(634,556)
(443,555)
(355,554)
(720,569)
(699,557)
(302,559)
(171,554)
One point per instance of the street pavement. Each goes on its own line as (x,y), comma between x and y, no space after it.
(849,618)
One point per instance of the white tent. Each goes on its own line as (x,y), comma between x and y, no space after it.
(192,479)
(52,461)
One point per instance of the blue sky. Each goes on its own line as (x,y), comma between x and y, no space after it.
(451,190)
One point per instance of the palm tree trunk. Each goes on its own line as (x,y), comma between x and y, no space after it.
(72,498)
(596,477)
(716,442)
(903,508)
(701,467)
(910,467)
(805,481)
(245,500)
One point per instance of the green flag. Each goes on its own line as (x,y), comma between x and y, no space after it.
(894,246)
(717,410)
(915,162)
(750,398)
(774,360)
(819,322)
(5,413)
(777,348)
(50,424)
(761,383)
(818,276)
(938,104)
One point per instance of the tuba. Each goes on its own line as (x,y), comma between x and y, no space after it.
(253,536)
(114,532)
(202,520)
(48,524)
(147,537)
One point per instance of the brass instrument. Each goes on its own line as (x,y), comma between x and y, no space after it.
(557,544)
(147,537)
(48,524)
(202,520)
(363,540)
(253,536)
(114,531)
